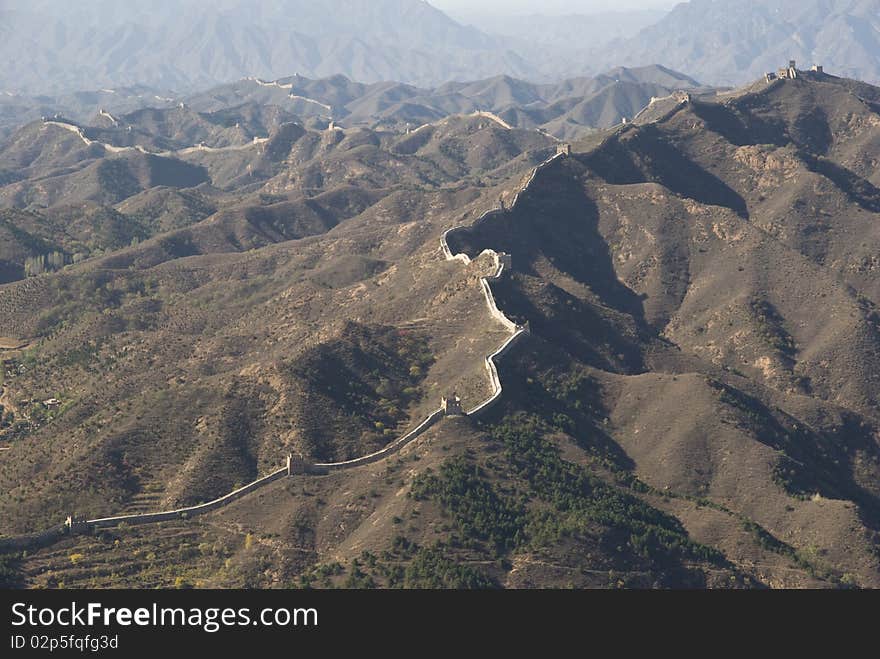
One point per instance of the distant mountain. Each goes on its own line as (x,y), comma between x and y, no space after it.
(577,30)
(732,41)
(17,109)
(719,42)
(54,45)
(237,112)
(565,109)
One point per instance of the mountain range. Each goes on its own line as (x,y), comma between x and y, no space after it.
(356,295)
(56,169)
(727,42)
(695,402)
(563,109)
(55,47)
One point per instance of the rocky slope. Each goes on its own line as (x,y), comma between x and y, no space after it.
(696,405)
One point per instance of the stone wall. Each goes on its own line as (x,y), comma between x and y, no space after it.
(493,308)
(294,466)
(490,402)
(185,513)
(326,467)
(501,259)
(297,465)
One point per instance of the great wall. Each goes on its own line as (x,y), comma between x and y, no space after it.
(680,99)
(450,406)
(139,149)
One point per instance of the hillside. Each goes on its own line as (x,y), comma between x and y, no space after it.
(50,45)
(617,93)
(236,113)
(17,109)
(128,53)
(728,42)
(695,404)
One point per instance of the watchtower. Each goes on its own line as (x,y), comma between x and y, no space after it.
(506,261)
(75,524)
(817,68)
(451,405)
(563,149)
(789,72)
(296,464)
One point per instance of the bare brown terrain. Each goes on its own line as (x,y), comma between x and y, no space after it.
(696,405)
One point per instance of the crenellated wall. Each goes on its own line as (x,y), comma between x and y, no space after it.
(296,465)
(183,513)
(326,467)
(501,260)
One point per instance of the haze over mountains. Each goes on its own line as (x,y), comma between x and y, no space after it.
(726,42)
(69,46)
(53,46)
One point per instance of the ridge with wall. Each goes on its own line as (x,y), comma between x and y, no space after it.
(296,465)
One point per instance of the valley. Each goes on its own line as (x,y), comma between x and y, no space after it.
(694,403)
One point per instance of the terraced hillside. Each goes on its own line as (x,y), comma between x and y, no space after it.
(695,406)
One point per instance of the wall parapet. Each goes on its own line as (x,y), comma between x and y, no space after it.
(432,418)
(502,260)
(189,511)
(295,464)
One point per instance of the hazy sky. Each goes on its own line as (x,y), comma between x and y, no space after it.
(548,6)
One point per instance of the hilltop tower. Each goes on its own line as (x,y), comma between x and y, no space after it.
(296,464)
(75,524)
(789,72)
(451,405)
